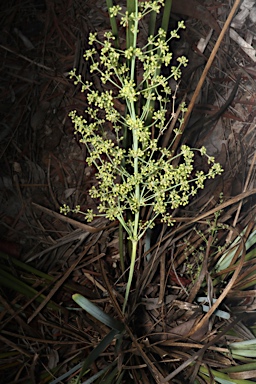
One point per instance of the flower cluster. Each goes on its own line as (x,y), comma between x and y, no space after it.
(144,174)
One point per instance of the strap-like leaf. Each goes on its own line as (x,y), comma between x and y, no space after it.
(96,312)
(97,351)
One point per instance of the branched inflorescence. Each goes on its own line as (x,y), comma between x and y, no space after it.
(143,174)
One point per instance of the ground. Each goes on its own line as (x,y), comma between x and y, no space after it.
(47,257)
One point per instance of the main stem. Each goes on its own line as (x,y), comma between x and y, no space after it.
(132,6)
(132,265)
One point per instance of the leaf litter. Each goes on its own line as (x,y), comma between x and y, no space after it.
(46,257)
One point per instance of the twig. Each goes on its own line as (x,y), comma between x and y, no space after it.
(205,71)
(64,277)
(241,202)
(75,223)
(234,200)
(203,271)
(230,284)
(14,346)
(95,282)
(57,206)
(202,350)
(162,278)
(26,58)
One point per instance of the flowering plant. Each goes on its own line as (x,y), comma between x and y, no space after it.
(142,174)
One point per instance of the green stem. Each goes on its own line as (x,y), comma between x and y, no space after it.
(166,15)
(134,41)
(132,265)
(131,8)
(121,246)
(113,24)
(164,26)
(152,26)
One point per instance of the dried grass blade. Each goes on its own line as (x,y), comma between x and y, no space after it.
(244,371)
(10,281)
(14,346)
(26,58)
(222,378)
(189,221)
(244,189)
(203,272)
(63,279)
(205,71)
(202,350)
(110,291)
(75,223)
(229,285)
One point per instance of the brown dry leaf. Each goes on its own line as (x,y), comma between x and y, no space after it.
(53,359)
(243,375)
(182,330)
(38,117)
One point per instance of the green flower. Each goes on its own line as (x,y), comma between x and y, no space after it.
(89,53)
(128,53)
(114,10)
(92,38)
(128,91)
(89,216)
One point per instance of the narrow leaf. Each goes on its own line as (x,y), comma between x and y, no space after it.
(104,343)
(100,373)
(96,312)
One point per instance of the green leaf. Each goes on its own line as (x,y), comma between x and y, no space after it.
(226,258)
(240,368)
(12,282)
(101,372)
(223,378)
(247,344)
(67,374)
(97,351)
(96,312)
